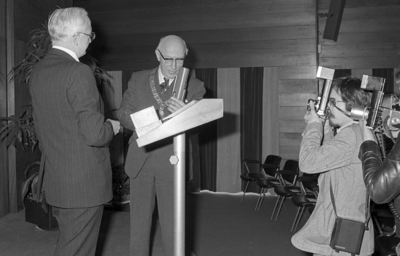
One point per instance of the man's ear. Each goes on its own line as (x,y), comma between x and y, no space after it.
(75,38)
(158,55)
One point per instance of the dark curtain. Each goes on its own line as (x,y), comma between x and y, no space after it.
(251,102)
(207,135)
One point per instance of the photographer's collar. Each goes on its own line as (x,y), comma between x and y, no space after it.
(346,125)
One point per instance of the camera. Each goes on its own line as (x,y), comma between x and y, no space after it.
(384,109)
(320,104)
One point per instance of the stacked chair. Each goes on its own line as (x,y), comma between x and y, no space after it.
(289,188)
(307,198)
(285,177)
(266,170)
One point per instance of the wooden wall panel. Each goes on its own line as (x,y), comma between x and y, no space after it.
(212,36)
(296,86)
(360,62)
(120,5)
(295,100)
(292,126)
(290,152)
(290,139)
(299,72)
(286,52)
(368,36)
(292,113)
(220,34)
(32,14)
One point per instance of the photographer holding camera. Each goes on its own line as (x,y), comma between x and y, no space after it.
(336,160)
(382,179)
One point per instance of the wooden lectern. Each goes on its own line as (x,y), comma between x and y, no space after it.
(192,115)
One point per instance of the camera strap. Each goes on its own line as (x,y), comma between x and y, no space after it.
(367,201)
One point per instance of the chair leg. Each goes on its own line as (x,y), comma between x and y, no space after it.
(280,207)
(245,190)
(295,218)
(260,200)
(276,205)
(299,218)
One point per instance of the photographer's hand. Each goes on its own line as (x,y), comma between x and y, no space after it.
(311,116)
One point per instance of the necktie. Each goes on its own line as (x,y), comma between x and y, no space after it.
(164,85)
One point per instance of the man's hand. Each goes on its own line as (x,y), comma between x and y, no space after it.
(366,133)
(115,125)
(173,104)
(311,115)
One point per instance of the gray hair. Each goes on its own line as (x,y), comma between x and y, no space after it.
(66,22)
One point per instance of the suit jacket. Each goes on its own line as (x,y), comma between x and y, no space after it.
(338,164)
(72,132)
(138,96)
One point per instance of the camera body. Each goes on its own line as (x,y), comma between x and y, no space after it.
(322,100)
(382,108)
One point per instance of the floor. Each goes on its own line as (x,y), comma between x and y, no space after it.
(216,225)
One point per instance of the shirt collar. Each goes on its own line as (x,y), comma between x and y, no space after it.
(348,124)
(161,77)
(73,55)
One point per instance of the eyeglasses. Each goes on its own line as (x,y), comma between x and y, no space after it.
(91,36)
(333,101)
(169,61)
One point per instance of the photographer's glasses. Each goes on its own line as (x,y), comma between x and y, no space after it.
(333,102)
(169,61)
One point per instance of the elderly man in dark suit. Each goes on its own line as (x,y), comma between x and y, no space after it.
(73,133)
(151,174)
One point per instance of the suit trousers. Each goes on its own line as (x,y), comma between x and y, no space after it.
(79,230)
(155,180)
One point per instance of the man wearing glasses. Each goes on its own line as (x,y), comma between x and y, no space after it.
(336,160)
(151,174)
(73,133)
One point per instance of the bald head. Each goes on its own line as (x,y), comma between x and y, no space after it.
(172,43)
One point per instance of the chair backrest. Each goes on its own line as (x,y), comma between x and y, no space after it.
(290,172)
(271,165)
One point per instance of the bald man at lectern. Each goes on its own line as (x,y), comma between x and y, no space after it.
(151,174)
